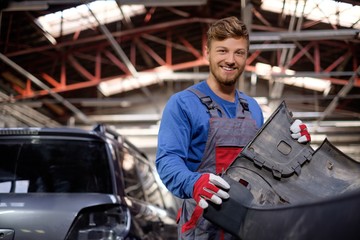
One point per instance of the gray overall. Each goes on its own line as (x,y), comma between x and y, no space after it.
(226,138)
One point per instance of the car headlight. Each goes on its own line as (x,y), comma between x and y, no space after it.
(101,223)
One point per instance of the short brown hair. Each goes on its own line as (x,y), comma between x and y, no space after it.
(230,27)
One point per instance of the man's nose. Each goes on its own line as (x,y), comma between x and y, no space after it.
(230,59)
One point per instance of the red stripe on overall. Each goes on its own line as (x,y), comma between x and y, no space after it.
(226,138)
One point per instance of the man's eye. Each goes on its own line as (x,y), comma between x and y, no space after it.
(241,53)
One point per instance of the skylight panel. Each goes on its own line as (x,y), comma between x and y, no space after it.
(327,11)
(80,18)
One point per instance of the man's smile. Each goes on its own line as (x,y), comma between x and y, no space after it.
(226,68)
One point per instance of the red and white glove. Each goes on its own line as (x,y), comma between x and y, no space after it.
(299,131)
(208,187)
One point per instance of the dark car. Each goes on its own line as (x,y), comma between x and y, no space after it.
(67,183)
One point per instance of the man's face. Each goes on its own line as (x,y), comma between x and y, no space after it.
(227,60)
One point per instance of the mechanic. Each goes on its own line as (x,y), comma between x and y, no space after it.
(204,128)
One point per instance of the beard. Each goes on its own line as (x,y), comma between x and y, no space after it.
(223,79)
(227,82)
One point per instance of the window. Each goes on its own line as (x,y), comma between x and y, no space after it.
(48,165)
(140,181)
(327,11)
(80,18)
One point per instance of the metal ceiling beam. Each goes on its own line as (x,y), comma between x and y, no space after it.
(164,3)
(41,29)
(43,5)
(23,113)
(38,5)
(81,116)
(129,65)
(119,51)
(343,92)
(128,23)
(277,87)
(353,2)
(271,46)
(254,36)
(126,102)
(315,74)
(306,35)
(26,6)
(126,118)
(129,33)
(191,76)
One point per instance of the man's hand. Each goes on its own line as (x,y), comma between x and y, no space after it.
(299,131)
(208,187)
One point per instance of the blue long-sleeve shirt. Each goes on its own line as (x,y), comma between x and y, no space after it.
(183,134)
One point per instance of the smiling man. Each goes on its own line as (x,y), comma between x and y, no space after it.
(204,128)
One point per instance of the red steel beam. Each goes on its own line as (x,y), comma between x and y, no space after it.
(200,60)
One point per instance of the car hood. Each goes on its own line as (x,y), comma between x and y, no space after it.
(44,216)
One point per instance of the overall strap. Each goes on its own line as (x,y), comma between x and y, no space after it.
(244,110)
(213,108)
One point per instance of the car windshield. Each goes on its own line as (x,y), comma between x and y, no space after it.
(48,165)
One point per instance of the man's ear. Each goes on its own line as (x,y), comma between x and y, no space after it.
(207,53)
